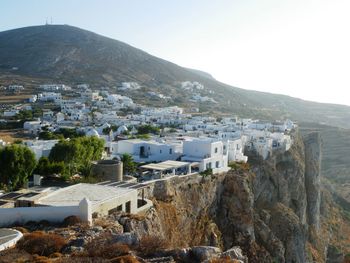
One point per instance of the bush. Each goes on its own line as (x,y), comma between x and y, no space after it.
(149,245)
(125,259)
(145,129)
(239,166)
(41,243)
(41,259)
(206,173)
(223,260)
(103,247)
(56,255)
(71,221)
(15,255)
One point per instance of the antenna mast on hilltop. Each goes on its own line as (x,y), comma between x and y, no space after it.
(51,20)
(46,22)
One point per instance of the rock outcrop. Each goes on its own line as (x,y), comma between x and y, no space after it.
(268,210)
(313,153)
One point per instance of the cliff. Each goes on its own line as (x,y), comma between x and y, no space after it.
(275,210)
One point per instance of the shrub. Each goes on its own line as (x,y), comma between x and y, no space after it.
(56,255)
(114,250)
(41,259)
(41,243)
(104,247)
(223,260)
(150,245)
(71,221)
(125,259)
(15,255)
(206,173)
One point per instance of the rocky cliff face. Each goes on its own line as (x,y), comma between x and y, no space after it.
(312,178)
(271,210)
(287,199)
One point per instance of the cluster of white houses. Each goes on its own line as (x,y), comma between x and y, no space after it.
(209,142)
(210,145)
(186,145)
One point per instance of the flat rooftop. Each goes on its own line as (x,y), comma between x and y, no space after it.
(7,235)
(165,165)
(137,141)
(72,195)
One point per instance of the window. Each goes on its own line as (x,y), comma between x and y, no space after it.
(216,149)
(217,164)
(170,151)
(160,151)
(128,207)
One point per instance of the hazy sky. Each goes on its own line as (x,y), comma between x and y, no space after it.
(295,47)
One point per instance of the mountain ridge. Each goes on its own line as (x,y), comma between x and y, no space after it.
(68,54)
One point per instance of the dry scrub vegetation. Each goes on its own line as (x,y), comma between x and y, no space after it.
(41,243)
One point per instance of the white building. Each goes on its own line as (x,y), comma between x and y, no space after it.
(10,113)
(200,98)
(50,96)
(129,86)
(60,117)
(33,98)
(120,101)
(235,151)
(188,85)
(210,154)
(83,86)
(89,95)
(15,88)
(54,87)
(34,127)
(149,151)
(41,148)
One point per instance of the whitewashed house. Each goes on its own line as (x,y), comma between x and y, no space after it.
(55,87)
(15,88)
(33,98)
(129,86)
(209,153)
(89,95)
(281,141)
(60,117)
(10,113)
(120,101)
(50,96)
(260,142)
(235,150)
(33,127)
(149,151)
(41,148)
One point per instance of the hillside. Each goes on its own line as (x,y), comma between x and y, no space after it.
(62,53)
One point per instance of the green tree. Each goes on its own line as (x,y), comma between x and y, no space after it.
(77,153)
(25,115)
(46,168)
(107,130)
(145,129)
(129,166)
(68,133)
(17,163)
(47,135)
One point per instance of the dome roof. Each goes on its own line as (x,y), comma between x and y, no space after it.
(122,129)
(92,132)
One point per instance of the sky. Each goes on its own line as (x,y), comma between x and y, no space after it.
(299,48)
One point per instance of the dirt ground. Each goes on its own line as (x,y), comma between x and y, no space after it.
(12,135)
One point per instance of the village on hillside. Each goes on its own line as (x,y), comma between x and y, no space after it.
(140,145)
